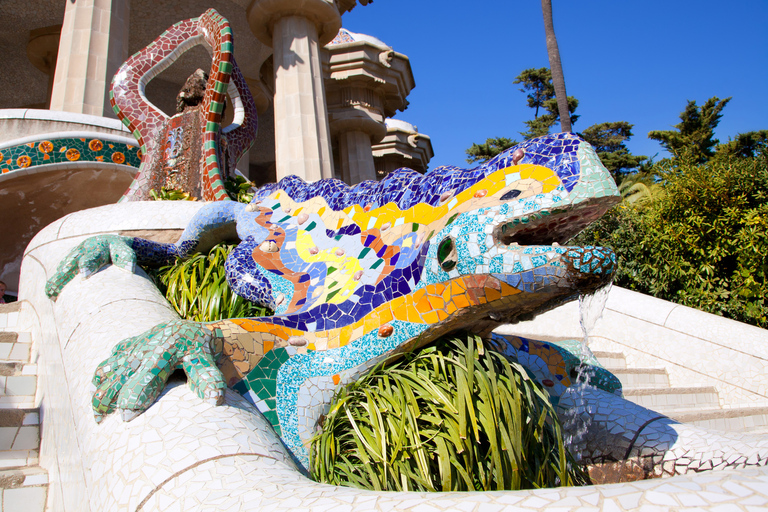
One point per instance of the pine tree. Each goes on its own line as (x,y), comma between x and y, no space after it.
(608,140)
(693,136)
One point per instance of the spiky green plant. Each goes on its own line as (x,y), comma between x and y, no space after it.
(239,189)
(453,416)
(197,288)
(170,194)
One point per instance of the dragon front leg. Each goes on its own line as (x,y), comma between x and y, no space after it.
(212,224)
(134,375)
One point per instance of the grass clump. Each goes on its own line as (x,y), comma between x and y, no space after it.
(453,416)
(197,288)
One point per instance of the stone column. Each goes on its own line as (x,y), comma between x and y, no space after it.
(403,146)
(356,157)
(94,43)
(42,50)
(296,29)
(367,82)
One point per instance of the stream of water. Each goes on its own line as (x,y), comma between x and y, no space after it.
(591,310)
(576,424)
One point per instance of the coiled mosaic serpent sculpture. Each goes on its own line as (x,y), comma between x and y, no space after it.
(357,274)
(210,151)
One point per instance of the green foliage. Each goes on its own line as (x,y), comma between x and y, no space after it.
(608,140)
(170,194)
(454,416)
(701,242)
(543,123)
(693,137)
(638,190)
(488,150)
(537,83)
(238,188)
(197,288)
(746,145)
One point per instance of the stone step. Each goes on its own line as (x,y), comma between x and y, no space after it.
(745,419)
(19,438)
(9,316)
(18,377)
(611,360)
(15,347)
(642,377)
(18,390)
(667,400)
(23,490)
(23,483)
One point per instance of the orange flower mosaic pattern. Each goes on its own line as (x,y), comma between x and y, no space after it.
(58,150)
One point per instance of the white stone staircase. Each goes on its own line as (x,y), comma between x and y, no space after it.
(23,483)
(699,405)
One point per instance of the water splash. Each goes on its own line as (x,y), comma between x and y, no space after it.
(577,420)
(591,309)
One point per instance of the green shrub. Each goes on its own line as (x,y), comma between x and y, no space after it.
(197,288)
(171,194)
(238,188)
(454,416)
(702,242)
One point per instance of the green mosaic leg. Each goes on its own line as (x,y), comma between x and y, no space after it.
(136,372)
(88,257)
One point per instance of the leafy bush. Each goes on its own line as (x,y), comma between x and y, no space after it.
(197,288)
(454,416)
(170,194)
(238,188)
(702,242)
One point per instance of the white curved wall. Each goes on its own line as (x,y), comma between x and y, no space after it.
(696,348)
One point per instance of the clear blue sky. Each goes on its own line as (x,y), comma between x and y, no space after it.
(635,61)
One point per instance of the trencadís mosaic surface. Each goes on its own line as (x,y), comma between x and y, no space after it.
(68,149)
(356,274)
(211,150)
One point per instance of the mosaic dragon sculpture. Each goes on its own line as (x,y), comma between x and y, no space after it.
(357,274)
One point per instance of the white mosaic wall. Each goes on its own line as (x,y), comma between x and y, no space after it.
(183,454)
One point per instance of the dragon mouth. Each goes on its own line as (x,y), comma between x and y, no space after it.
(568,271)
(555,226)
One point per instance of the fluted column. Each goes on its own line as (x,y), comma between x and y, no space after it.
(296,29)
(93,44)
(366,82)
(356,157)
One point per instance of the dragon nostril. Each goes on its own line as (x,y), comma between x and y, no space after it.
(510,195)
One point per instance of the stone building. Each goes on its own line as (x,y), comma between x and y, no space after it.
(324,97)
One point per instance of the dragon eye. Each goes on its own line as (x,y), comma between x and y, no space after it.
(446,254)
